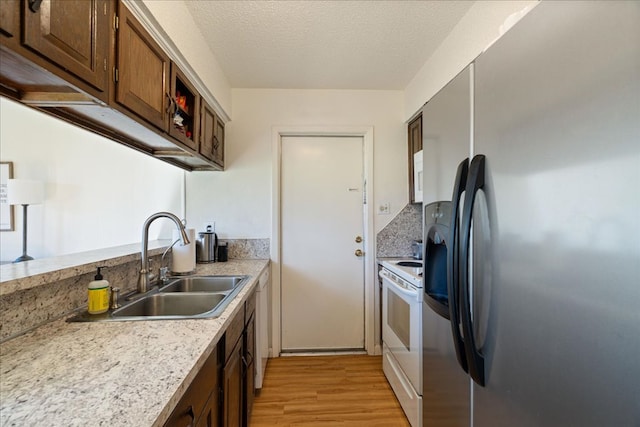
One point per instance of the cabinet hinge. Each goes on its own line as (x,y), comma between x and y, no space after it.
(105,64)
(116,22)
(104,8)
(115,74)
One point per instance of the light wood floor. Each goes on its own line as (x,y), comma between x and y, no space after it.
(326,391)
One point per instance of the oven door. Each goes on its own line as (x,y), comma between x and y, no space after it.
(402,325)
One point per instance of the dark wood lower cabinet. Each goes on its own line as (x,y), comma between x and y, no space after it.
(222,393)
(199,405)
(239,370)
(250,368)
(232,391)
(210,416)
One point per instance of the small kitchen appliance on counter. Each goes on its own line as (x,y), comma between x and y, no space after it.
(222,252)
(206,246)
(416,249)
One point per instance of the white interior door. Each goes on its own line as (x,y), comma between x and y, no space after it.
(322,279)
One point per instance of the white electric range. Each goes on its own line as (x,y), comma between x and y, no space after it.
(402,332)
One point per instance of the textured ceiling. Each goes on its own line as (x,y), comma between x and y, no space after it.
(324,44)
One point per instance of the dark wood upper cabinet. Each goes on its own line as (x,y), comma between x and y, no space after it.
(74,35)
(218,142)
(207,124)
(10,20)
(414,131)
(142,72)
(91,63)
(184,112)
(211,135)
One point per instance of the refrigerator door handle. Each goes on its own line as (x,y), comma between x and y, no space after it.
(453,258)
(475,182)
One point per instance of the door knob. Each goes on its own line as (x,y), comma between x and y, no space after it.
(359,252)
(358,239)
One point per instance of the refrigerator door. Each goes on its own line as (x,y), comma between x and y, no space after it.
(445,137)
(446,130)
(556,229)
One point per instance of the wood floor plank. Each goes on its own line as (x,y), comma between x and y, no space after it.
(340,391)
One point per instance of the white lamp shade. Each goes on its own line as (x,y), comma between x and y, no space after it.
(25,192)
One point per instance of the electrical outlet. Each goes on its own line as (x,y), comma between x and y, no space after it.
(209,225)
(384,209)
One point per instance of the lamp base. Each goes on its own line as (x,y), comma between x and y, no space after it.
(22,258)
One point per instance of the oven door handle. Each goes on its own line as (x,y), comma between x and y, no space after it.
(399,288)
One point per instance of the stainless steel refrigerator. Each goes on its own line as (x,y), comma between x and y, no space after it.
(543,271)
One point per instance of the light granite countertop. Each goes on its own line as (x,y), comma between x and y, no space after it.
(40,272)
(111,373)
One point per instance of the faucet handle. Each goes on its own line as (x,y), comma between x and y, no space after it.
(164,271)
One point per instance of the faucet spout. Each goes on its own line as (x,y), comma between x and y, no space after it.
(145,274)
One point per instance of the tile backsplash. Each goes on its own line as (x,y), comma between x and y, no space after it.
(395,239)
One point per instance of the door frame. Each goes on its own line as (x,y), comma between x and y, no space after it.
(366,133)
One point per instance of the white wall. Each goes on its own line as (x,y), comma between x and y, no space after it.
(239,199)
(98,192)
(479,27)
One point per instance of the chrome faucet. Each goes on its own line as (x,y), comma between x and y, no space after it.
(145,275)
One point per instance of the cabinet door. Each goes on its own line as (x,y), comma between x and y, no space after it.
(232,393)
(184,116)
(415,145)
(183,416)
(218,142)
(142,72)
(250,371)
(10,21)
(200,401)
(209,416)
(72,34)
(207,124)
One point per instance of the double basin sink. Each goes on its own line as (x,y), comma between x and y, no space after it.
(197,297)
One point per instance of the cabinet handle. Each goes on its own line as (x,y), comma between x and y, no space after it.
(191,415)
(171,105)
(34,5)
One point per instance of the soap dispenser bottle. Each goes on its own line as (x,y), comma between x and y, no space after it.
(98,295)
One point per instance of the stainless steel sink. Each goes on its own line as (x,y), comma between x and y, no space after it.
(203,284)
(172,305)
(197,297)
